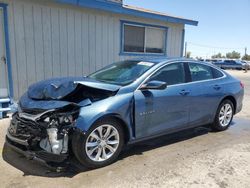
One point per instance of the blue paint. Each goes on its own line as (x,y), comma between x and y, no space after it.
(77,2)
(143,24)
(58,88)
(29,103)
(122,53)
(182,42)
(7,47)
(119,106)
(117,8)
(144,111)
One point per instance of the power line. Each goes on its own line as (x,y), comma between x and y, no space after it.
(214,47)
(207,51)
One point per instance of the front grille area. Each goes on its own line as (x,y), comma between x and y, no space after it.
(24,129)
(25,136)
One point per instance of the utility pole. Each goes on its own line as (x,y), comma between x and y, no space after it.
(245,51)
(185,49)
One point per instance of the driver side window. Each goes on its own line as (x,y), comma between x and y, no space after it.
(171,74)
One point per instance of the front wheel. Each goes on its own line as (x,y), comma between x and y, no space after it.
(224,116)
(101,145)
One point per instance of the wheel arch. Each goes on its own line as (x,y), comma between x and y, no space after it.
(124,124)
(232,99)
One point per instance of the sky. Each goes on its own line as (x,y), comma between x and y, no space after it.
(224,25)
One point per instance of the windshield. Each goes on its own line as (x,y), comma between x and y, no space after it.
(122,73)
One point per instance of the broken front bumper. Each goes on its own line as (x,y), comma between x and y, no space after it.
(22,147)
(24,137)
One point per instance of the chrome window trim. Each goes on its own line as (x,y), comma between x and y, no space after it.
(184,61)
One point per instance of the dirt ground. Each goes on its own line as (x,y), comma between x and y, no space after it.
(193,158)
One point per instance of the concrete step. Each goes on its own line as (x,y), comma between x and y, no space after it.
(4,100)
(5,109)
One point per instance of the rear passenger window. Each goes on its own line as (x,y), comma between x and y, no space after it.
(171,74)
(217,73)
(200,72)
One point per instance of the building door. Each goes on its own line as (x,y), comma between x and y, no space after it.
(3,66)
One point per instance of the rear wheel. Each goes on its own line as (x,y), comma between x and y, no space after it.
(101,145)
(224,116)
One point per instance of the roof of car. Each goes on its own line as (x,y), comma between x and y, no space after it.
(162,59)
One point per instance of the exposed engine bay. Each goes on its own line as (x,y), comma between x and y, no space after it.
(46,115)
(48,131)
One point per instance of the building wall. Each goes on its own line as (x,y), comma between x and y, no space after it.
(52,40)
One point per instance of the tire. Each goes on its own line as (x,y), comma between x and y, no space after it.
(90,149)
(224,116)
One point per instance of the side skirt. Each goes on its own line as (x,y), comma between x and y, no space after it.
(134,141)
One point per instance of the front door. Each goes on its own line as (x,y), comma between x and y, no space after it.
(3,65)
(158,111)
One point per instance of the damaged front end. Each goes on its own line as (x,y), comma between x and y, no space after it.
(43,135)
(45,121)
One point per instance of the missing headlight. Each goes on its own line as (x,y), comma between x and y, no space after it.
(58,127)
(53,144)
(67,119)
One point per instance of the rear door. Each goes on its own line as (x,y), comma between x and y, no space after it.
(206,90)
(157,111)
(3,66)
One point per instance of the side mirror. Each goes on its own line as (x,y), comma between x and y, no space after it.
(154,85)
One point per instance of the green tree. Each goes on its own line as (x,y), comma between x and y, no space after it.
(246,57)
(198,58)
(217,56)
(188,54)
(233,55)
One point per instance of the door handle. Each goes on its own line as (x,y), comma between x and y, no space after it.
(184,92)
(217,87)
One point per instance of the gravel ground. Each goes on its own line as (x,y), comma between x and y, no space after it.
(193,158)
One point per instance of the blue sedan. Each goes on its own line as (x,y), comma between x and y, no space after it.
(93,117)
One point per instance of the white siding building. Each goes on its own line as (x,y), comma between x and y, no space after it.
(41,39)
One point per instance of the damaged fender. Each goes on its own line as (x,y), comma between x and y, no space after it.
(123,109)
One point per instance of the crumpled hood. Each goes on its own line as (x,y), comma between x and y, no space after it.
(57,88)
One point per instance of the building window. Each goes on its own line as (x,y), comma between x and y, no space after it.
(143,39)
(134,38)
(155,40)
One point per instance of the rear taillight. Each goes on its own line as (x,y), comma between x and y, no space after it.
(241,85)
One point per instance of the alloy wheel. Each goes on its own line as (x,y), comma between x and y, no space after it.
(102,143)
(225,116)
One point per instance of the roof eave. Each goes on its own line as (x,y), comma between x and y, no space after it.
(159,17)
(119,9)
